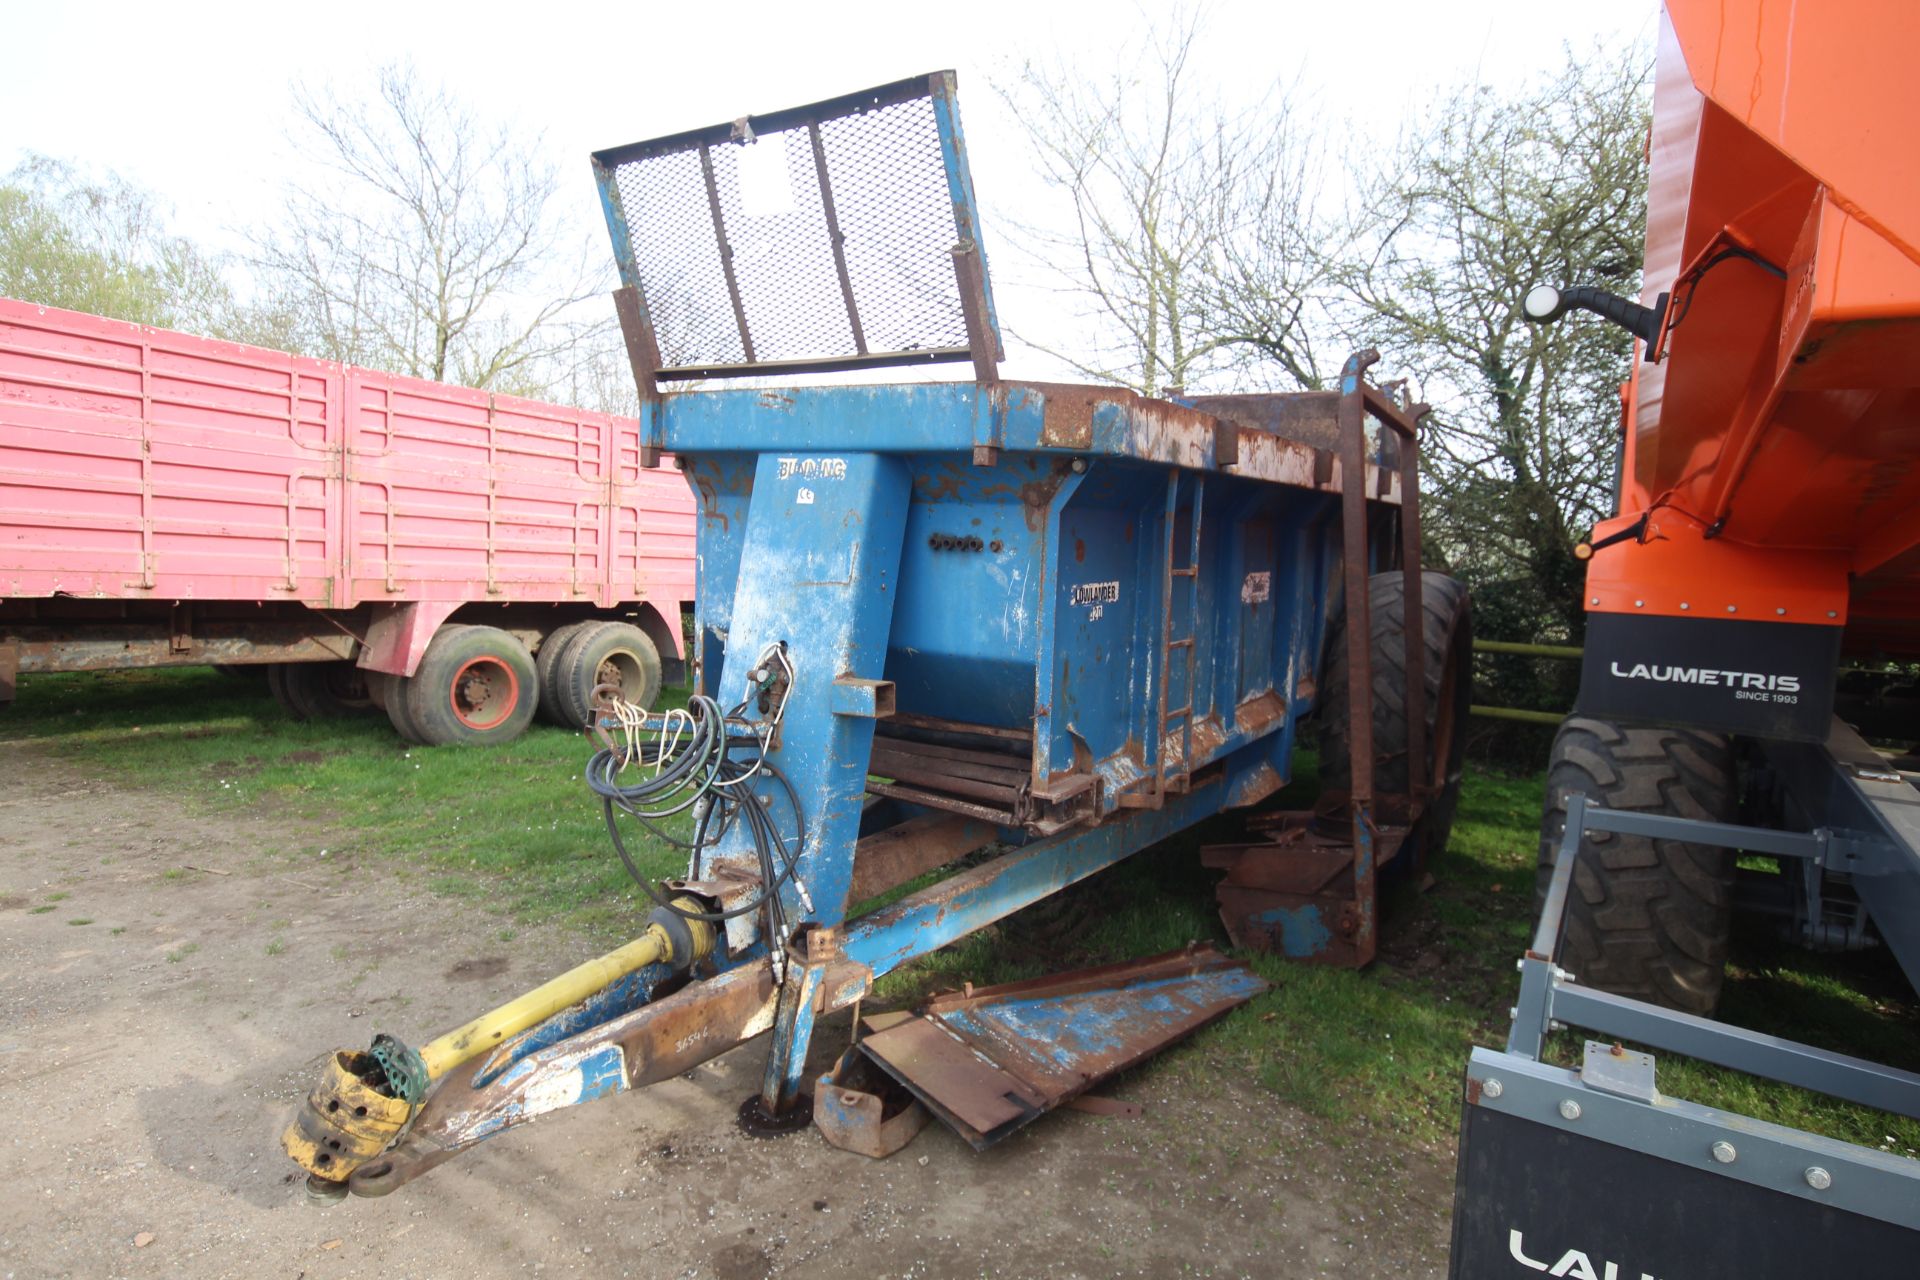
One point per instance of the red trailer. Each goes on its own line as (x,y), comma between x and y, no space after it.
(455,557)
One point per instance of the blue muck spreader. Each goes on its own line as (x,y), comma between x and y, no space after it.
(1006,632)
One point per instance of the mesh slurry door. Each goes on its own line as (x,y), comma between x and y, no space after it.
(171,500)
(937,622)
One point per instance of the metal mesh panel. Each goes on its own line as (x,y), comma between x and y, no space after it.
(898,222)
(679,259)
(871,167)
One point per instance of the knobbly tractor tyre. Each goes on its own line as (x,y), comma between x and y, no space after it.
(607,653)
(318,690)
(546,663)
(1447,631)
(1645,918)
(475,686)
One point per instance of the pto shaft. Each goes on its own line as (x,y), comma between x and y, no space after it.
(536,1006)
(366,1100)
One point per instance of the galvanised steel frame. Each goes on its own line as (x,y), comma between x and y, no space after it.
(1617,1118)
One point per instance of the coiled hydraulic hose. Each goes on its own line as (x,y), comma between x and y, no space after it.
(696,768)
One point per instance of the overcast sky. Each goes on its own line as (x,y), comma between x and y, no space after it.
(191,100)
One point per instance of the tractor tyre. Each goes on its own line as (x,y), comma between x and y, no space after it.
(1645,918)
(1447,631)
(615,653)
(318,690)
(475,686)
(546,662)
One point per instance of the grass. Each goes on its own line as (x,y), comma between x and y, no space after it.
(1385,1045)
(513,830)
(513,827)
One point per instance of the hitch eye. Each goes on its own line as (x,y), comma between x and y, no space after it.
(1542,303)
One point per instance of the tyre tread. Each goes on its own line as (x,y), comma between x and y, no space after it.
(1446,611)
(421,694)
(1647,918)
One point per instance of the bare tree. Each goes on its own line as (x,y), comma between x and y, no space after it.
(1496,193)
(1173,195)
(1271,285)
(428,241)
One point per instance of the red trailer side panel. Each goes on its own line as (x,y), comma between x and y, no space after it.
(651,535)
(453,487)
(138,463)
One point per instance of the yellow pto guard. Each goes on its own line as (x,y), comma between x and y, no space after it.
(365,1101)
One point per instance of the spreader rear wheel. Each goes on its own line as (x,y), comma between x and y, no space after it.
(474,686)
(1645,918)
(1447,631)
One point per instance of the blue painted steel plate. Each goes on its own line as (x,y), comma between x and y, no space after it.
(990,1060)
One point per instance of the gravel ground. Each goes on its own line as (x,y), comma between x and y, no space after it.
(160,1021)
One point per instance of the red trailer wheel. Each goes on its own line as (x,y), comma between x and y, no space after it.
(377,688)
(485,692)
(475,685)
(610,653)
(317,690)
(548,662)
(393,698)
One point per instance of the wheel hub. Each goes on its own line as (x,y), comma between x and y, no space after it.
(484,693)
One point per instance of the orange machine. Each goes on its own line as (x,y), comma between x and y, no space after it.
(1769,517)
(1770,503)
(1769,524)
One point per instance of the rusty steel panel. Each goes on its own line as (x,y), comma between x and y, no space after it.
(1309,417)
(898,854)
(133,645)
(859,1108)
(1297,893)
(990,1060)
